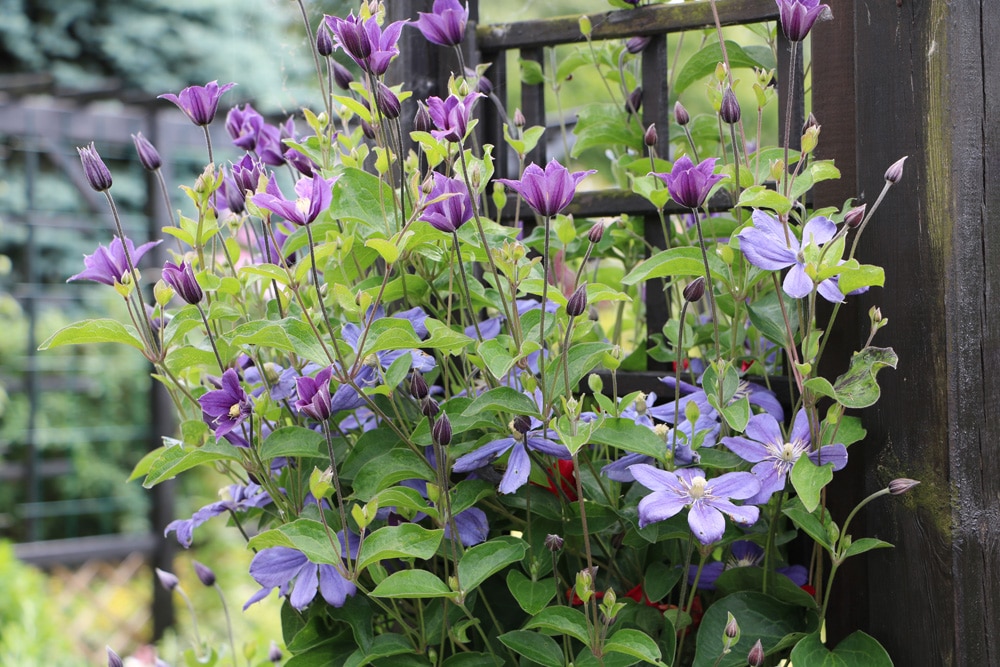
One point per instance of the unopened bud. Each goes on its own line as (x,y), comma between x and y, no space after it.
(732,629)
(902,485)
(634,101)
(418,386)
(776,170)
(475,175)
(342,76)
(596,233)
(895,170)
(519,119)
(204,572)
(855,216)
(810,122)
(756,655)
(429,407)
(730,109)
(114,660)
(694,290)
(162,293)
(387,101)
(586,27)
(324,42)
(650,138)
(167,579)
(368,130)
(520,424)
(577,303)
(97,173)
(681,114)
(636,45)
(274,653)
(810,139)
(554,543)
(149,157)
(442,431)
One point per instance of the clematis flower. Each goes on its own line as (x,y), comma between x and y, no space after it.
(296,577)
(244,125)
(108,265)
(756,394)
(235,498)
(97,173)
(678,442)
(199,103)
(368,44)
(314,395)
(742,553)
(455,207)
(445,26)
(547,191)
(766,246)
(314,195)
(182,279)
(526,433)
(708,499)
(689,184)
(798,16)
(451,116)
(280,380)
(228,407)
(774,456)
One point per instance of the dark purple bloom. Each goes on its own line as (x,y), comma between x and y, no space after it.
(730,109)
(689,184)
(771,246)
(387,101)
(301,162)
(236,498)
(314,195)
(270,147)
(97,173)
(547,191)
(298,578)
(708,499)
(182,279)
(451,116)
(149,157)
(324,41)
(228,407)
(774,456)
(797,17)
(342,76)
(636,45)
(108,265)
(314,395)
(244,126)
(204,573)
(246,173)
(453,207)
(371,47)
(199,102)
(446,25)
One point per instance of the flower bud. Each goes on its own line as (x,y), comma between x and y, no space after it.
(422,119)
(204,572)
(554,543)
(182,279)
(418,386)
(274,653)
(519,119)
(368,130)
(810,139)
(520,424)
(730,109)
(650,138)
(756,655)
(895,170)
(387,101)
(732,629)
(162,293)
(596,233)
(324,42)
(429,407)
(586,27)
(148,156)
(634,101)
(168,580)
(442,431)
(902,485)
(114,660)
(681,114)
(636,45)
(694,290)
(810,122)
(855,216)
(577,303)
(342,76)
(97,173)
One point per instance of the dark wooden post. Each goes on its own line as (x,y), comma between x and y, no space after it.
(927,88)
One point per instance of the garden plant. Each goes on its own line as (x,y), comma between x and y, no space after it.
(418,407)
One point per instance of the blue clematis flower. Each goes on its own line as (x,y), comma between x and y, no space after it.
(298,578)
(227,407)
(235,498)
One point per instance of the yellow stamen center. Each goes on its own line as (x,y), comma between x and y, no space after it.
(698,487)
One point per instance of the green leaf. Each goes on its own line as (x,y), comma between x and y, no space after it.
(178,458)
(628,436)
(94,331)
(809,479)
(496,355)
(737,579)
(563,621)
(293,441)
(309,536)
(760,196)
(809,523)
(532,596)
(531,72)
(865,544)
(483,560)
(384,646)
(684,261)
(535,647)
(765,314)
(390,468)
(412,584)
(660,579)
(705,61)
(361,197)
(582,359)
(820,386)
(503,399)
(444,338)
(858,388)
(737,414)
(634,643)
(605,125)
(407,540)
(857,650)
(865,275)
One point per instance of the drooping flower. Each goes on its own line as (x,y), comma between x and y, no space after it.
(227,407)
(451,116)
(547,191)
(108,265)
(199,103)
(774,456)
(314,195)
(182,279)
(235,498)
(768,245)
(298,578)
(97,173)
(798,16)
(708,499)
(314,395)
(446,24)
(453,208)
(688,183)
(367,43)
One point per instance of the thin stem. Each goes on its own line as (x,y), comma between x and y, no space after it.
(465,284)
(208,142)
(229,623)
(211,338)
(709,285)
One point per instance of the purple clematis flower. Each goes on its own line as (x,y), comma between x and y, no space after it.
(236,498)
(446,25)
(770,246)
(244,125)
(199,102)
(742,553)
(314,395)
(798,16)
(228,407)
(371,47)
(453,210)
(678,441)
(295,576)
(526,433)
(689,184)
(314,195)
(547,191)
(281,381)
(108,265)
(182,279)
(774,456)
(708,499)
(451,116)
